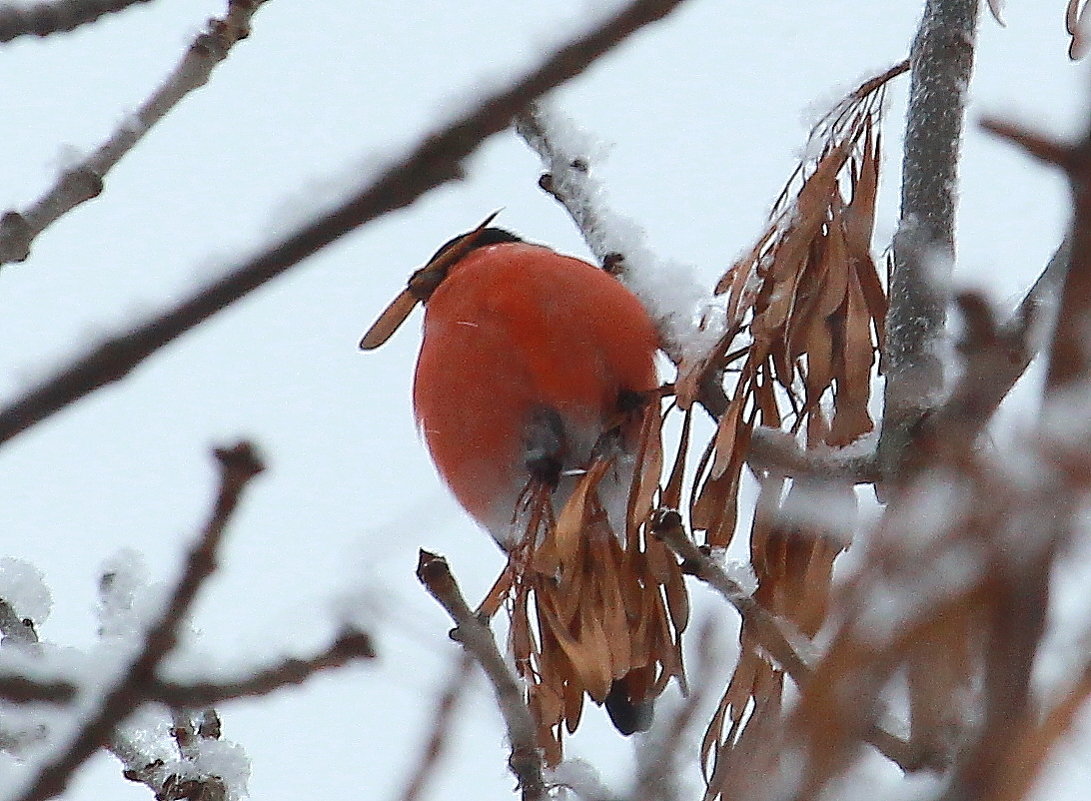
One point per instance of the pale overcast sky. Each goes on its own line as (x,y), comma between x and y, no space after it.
(702,116)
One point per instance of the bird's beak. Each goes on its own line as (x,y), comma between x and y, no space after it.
(421,286)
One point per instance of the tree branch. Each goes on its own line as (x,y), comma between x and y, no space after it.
(569,181)
(771,448)
(774,634)
(924,246)
(84,180)
(434,160)
(238,465)
(1069,360)
(525,761)
(20,689)
(348,647)
(43,19)
(440,729)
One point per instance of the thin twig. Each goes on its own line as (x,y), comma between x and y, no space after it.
(995,356)
(238,465)
(773,633)
(440,730)
(434,160)
(525,761)
(1040,146)
(1069,361)
(348,647)
(84,180)
(43,19)
(658,758)
(20,689)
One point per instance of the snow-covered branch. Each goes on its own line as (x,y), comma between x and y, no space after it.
(670,292)
(238,465)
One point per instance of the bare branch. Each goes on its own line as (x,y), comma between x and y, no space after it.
(440,729)
(658,757)
(525,761)
(995,356)
(238,465)
(1042,147)
(20,689)
(924,246)
(1069,360)
(83,181)
(1029,758)
(348,647)
(434,160)
(43,19)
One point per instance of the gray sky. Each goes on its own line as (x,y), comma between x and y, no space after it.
(703,115)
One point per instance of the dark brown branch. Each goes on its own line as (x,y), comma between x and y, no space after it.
(238,465)
(924,246)
(84,180)
(440,729)
(1042,147)
(525,761)
(1029,759)
(20,689)
(433,161)
(1069,360)
(43,19)
(348,647)
(995,357)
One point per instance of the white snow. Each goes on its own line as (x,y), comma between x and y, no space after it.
(688,318)
(23,587)
(580,778)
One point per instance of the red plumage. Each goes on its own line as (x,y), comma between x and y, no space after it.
(515,329)
(537,395)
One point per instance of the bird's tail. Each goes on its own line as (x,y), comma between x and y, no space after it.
(628,704)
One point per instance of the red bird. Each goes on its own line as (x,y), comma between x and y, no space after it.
(533,366)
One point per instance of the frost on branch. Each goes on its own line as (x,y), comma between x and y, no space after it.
(687,319)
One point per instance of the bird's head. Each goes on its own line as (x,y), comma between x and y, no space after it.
(424,281)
